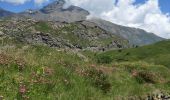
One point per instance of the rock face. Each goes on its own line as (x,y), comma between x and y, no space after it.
(56,12)
(135,36)
(82,35)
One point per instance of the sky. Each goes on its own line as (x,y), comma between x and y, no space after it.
(150,15)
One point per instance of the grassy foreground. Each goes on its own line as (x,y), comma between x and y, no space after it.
(43,73)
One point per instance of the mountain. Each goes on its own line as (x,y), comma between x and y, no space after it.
(56,12)
(135,36)
(4,13)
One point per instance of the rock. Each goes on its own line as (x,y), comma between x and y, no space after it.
(158,95)
(1,33)
(76,35)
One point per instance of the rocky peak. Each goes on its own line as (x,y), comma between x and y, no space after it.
(55,6)
(61,2)
(55,11)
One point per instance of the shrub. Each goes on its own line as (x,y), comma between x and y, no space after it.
(99,79)
(104,59)
(146,77)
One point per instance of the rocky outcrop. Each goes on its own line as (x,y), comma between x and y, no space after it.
(1,33)
(159,95)
(82,35)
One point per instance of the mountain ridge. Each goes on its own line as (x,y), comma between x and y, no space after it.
(5,13)
(135,36)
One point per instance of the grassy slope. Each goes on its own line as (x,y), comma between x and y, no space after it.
(59,83)
(158,53)
(51,74)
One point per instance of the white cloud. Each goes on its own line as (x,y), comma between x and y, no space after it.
(39,2)
(19,2)
(146,16)
(15,1)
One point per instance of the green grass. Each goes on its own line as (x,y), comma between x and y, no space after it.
(50,74)
(62,84)
(43,26)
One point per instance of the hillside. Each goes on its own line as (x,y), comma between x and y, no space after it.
(39,72)
(56,60)
(135,36)
(82,35)
(157,53)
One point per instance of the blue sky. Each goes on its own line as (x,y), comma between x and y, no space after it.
(164,5)
(21,7)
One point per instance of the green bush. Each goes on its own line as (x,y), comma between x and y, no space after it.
(99,80)
(146,77)
(104,59)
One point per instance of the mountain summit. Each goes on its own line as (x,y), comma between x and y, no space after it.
(56,12)
(55,6)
